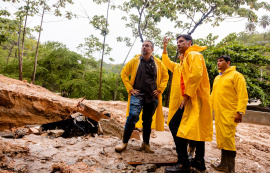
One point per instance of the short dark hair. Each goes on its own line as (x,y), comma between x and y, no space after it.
(225,57)
(152,44)
(185,36)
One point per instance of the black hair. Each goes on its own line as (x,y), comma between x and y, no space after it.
(185,36)
(152,44)
(225,57)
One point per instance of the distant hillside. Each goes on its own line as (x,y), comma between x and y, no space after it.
(111,67)
(257,39)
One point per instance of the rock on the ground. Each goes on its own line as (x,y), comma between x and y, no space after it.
(146,167)
(7,134)
(113,128)
(12,157)
(55,133)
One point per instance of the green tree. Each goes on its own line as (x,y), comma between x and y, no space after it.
(264,21)
(8,30)
(5,25)
(103,49)
(141,21)
(100,23)
(57,12)
(247,59)
(251,26)
(254,39)
(89,47)
(29,9)
(212,11)
(58,66)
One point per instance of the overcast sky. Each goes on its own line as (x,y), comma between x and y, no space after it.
(72,32)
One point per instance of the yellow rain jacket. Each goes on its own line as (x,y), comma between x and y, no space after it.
(228,97)
(197,120)
(176,94)
(162,78)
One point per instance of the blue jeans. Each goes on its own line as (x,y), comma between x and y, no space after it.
(136,106)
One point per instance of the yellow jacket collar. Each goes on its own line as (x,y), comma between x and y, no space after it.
(139,56)
(231,68)
(196,48)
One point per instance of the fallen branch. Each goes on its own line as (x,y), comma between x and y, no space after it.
(158,164)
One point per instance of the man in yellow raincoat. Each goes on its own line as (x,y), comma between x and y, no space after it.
(190,116)
(148,80)
(229,101)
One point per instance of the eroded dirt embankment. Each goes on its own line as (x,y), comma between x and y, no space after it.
(23,103)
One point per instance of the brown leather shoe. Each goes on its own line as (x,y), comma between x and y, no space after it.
(121,147)
(146,147)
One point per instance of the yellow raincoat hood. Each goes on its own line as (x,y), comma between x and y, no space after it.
(195,48)
(130,69)
(228,97)
(197,120)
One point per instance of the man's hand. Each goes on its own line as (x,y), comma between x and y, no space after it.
(184,102)
(134,91)
(156,93)
(165,42)
(181,57)
(238,117)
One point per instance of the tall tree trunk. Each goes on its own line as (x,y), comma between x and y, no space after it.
(139,26)
(21,57)
(18,44)
(140,19)
(10,51)
(103,49)
(170,83)
(264,34)
(16,56)
(85,69)
(40,28)
(116,85)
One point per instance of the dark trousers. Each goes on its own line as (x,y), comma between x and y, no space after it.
(136,106)
(231,154)
(181,143)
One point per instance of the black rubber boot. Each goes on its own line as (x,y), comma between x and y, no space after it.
(198,164)
(231,164)
(222,166)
